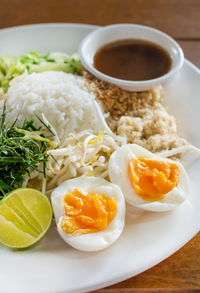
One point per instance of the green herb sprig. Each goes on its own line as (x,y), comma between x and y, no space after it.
(22,150)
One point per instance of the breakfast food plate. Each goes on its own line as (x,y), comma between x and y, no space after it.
(148,238)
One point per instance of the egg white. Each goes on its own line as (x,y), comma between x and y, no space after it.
(91,241)
(118,173)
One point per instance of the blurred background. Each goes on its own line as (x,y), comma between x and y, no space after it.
(178,18)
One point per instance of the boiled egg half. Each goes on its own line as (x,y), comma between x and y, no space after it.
(148,181)
(89,212)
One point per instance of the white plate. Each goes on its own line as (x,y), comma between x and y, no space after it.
(148,238)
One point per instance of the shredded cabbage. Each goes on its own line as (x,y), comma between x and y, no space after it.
(11,67)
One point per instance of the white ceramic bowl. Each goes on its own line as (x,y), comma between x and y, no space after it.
(107,34)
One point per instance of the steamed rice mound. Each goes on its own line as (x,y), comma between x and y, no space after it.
(61,97)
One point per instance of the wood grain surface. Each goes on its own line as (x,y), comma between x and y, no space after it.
(180,19)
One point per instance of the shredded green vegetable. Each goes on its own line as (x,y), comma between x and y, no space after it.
(11,67)
(22,150)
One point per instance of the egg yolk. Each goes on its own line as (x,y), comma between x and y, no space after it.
(87,213)
(152,178)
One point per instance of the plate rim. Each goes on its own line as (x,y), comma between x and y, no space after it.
(76,25)
(49,24)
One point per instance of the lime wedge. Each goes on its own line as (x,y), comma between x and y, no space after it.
(25,217)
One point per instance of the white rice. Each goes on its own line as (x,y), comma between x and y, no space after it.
(61,97)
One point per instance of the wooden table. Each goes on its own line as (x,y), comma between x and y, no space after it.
(180,19)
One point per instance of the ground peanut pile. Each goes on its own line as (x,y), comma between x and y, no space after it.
(139,116)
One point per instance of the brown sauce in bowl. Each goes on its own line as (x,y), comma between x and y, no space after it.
(133,60)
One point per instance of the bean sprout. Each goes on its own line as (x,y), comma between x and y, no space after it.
(79,154)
